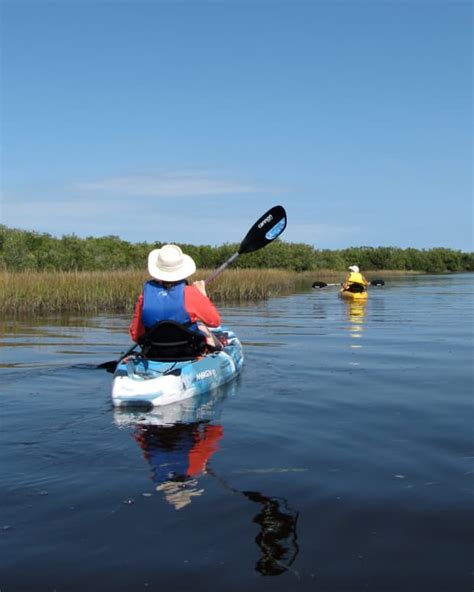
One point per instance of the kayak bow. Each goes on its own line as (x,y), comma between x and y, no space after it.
(353,295)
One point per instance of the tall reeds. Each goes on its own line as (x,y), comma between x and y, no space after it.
(116,291)
(45,292)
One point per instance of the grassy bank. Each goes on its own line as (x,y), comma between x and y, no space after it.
(85,292)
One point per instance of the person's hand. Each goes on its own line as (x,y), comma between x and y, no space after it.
(201,286)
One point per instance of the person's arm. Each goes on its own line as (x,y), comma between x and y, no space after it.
(136,329)
(199,307)
(204,448)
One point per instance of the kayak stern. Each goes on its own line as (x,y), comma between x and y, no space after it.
(148,383)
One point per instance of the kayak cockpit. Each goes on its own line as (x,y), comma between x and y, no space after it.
(170,368)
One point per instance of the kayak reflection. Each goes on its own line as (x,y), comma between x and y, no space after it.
(356,310)
(178,442)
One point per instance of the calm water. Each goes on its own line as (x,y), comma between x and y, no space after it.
(340,460)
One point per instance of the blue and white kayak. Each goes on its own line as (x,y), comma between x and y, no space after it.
(138,381)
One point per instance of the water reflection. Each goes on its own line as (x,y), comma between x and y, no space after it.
(186,450)
(178,442)
(356,310)
(277,538)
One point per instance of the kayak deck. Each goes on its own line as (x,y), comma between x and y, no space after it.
(353,295)
(141,382)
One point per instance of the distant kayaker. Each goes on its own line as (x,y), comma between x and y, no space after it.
(354,278)
(169,297)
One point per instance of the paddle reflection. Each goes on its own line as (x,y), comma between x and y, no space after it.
(178,442)
(277,537)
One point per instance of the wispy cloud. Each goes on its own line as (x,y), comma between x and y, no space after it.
(318,232)
(169,184)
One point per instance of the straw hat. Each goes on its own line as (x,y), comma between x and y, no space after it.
(179,494)
(170,264)
(354,268)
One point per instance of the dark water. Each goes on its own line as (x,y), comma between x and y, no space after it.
(340,460)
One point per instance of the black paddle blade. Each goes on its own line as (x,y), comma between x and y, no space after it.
(265,230)
(377,283)
(109,366)
(319,285)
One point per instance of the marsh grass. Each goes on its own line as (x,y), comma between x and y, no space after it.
(117,291)
(45,292)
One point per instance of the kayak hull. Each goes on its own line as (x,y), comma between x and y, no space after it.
(353,295)
(150,383)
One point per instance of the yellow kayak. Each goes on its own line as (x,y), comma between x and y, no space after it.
(353,295)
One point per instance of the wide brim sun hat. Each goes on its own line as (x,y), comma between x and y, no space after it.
(354,268)
(170,264)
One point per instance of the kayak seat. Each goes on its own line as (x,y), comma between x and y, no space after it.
(169,341)
(356,288)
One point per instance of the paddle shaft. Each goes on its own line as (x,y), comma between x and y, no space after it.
(324,285)
(221,268)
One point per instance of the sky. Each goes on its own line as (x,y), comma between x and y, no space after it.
(185,121)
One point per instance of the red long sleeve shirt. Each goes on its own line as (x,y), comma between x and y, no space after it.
(204,448)
(198,307)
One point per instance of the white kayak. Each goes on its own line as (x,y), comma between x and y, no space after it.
(139,381)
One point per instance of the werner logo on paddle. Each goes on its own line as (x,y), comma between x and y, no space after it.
(268,219)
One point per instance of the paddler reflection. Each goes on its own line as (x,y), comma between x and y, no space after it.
(178,455)
(178,442)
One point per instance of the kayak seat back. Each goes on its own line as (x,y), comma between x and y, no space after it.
(356,288)
(169,341)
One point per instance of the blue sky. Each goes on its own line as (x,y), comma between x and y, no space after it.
(185,121)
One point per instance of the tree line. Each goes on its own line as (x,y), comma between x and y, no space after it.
(22,250)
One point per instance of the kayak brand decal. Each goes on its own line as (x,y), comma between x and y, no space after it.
(209,373)
(276,230)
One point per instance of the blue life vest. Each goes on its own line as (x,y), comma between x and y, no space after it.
(162,304)
(170,463)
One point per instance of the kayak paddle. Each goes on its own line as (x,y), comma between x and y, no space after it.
(324,285)
(265,230)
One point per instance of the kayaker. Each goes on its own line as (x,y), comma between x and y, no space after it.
(354,278)
(169,297)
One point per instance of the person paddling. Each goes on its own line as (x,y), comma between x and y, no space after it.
(355,281)
(169,297)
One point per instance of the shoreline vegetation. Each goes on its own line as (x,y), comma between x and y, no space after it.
(42,274)
(45,292)
(22,250)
